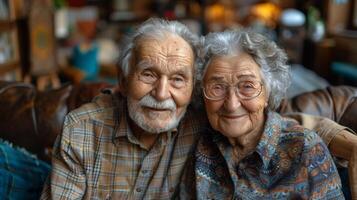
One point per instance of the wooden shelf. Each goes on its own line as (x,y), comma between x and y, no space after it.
(7,25)
(9,66)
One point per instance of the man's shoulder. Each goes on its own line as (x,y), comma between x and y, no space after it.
(102,108)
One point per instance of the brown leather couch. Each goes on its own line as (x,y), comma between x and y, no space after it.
(338,103)
(33,119)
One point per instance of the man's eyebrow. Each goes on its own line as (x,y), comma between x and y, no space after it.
(246,76)
(183,71)
(144,64)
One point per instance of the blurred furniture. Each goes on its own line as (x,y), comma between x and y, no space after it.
(32,119)
(292,34)
(43,65)
(304,80)
(338,103)
(10,65)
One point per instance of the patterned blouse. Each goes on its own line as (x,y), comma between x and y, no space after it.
(289,162)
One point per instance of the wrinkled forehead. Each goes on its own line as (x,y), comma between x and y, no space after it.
(167,44)
(168,51)
(236,66)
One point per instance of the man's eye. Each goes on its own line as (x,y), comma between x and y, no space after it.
(146,74)
(178,81)
(147,77)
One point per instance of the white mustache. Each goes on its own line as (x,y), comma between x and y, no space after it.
(149,101)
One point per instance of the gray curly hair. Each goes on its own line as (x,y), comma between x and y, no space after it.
(271,59)
(156,28)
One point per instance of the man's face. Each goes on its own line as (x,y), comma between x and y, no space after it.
(160,84)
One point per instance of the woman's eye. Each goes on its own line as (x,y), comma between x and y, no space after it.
(247,85)
(218,89)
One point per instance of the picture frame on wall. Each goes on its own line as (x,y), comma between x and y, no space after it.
(9,55)
(8,47)
(42,38)
(4,10)
(10,66)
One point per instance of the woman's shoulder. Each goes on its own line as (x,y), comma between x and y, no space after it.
(290,128)
(298,136)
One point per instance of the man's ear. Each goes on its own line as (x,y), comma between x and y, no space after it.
(123,86)
(122,82)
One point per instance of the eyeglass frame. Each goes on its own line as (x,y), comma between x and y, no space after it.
(236,92)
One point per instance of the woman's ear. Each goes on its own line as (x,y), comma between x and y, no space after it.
(266,104)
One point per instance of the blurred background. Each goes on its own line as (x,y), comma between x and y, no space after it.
(52,42)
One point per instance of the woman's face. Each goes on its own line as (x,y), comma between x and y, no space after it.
(235,115)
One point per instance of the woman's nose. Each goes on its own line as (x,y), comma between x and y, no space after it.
(232,101)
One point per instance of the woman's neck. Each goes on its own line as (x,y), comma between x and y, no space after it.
(246,144)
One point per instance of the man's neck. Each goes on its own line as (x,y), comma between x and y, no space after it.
(145,138)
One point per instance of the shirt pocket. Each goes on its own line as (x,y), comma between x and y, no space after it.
(112,180)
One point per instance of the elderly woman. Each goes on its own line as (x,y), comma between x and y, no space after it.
(250,151)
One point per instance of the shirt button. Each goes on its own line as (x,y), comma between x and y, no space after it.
(138,190)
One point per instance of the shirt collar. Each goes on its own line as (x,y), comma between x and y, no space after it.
(270,138)
(121,118)
(267,144)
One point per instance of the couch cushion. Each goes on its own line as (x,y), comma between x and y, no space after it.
(18,117)
(338,103)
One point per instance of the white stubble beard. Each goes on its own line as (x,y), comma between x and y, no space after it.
(138,117)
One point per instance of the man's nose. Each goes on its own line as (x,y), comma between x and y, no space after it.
(161,91)
(232,101)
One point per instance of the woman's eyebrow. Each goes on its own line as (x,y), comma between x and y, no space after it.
(246,76)
(216,78)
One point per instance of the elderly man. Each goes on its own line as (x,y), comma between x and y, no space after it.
(134,145)
(131,146)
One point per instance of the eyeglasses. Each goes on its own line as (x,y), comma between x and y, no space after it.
(245,90)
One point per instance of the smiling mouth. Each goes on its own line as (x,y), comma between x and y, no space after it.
(233,116)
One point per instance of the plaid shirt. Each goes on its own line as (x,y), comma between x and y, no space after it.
(98,157)
(289,162)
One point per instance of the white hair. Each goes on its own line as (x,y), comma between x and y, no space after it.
(155,28)
(271,59)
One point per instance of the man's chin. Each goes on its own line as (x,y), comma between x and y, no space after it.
(154,129)
(159,126)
